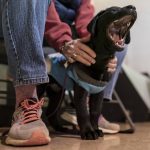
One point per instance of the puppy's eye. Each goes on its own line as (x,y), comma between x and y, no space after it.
(116,21)
(113,11)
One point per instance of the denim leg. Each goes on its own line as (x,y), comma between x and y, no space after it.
(110,87)
(23,24)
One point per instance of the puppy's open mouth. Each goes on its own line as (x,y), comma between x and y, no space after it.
(118,30)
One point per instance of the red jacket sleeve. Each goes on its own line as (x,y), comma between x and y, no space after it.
(84,16)
(56,32)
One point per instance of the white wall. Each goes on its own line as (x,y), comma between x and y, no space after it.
(138,56)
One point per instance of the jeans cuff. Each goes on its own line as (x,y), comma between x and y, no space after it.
(31,81)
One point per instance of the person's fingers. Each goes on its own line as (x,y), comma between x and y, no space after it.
(113,60)
(85,48)
(111,70)
(85,39)
(72,57)
(111,67)
(70,60)
(76,53)
(112,64)
(85,56)
(82,60)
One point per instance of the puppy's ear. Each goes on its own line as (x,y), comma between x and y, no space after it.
(128,38)
(92,25)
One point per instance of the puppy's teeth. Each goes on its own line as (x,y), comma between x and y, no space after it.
(117,43)
(128,24)
(116,21)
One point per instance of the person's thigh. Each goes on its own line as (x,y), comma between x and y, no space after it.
(23,24)
(110,87)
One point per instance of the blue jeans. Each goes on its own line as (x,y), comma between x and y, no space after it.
(23,23)
(110,86)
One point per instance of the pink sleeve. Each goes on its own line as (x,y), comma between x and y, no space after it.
(56,32)
(84,16)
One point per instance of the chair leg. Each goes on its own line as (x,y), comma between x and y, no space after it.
(70,96)
(131,124)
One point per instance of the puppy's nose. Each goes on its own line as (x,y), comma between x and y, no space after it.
(131,7)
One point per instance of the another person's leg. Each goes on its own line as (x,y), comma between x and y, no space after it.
(111,85)
(23,28)
(104,125)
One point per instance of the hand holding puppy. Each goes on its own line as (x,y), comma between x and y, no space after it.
(76,50)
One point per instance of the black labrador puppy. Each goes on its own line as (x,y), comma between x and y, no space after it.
(110,32)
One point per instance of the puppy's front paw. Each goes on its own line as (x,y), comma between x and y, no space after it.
(99,132)
(89,135)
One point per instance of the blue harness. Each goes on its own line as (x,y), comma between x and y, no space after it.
(66,77)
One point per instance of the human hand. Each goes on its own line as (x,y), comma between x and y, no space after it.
(112,64)
(76,50)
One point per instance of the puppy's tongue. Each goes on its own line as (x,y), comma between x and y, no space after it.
(120,42)
(118,39)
